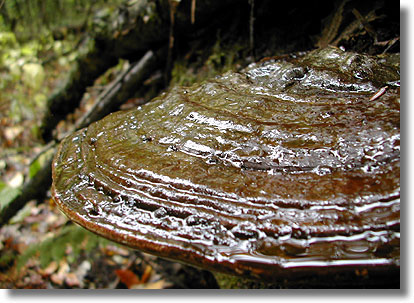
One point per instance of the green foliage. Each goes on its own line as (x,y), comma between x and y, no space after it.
(21,214)
(34,168)
(28,19)
(7,39)
(7,194)
(182,75)
(6,258)
(25,81)
(214,60)
(55,248)
(22,78)
(40,161)
(226,281)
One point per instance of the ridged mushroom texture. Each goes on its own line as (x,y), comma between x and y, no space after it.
(289,167)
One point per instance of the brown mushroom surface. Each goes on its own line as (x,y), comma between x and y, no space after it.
(287,168)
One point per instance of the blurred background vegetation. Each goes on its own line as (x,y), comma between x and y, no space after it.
(38,42)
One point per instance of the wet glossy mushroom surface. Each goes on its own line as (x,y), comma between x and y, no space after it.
(286,168)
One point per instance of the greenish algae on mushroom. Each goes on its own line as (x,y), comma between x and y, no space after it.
(285,169)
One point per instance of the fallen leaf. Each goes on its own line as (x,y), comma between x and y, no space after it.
(119,260)
(12,132)
(20,247)
(147,274)
(160,284)
(72,280)
(111,250)
(17,180)
(33,280)
(60,276)
(83,269)
(50,269)
(127,277)
(57,278)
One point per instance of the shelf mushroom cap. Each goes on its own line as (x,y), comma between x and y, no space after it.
(285,168)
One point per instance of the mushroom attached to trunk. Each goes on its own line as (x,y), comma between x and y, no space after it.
(286,168)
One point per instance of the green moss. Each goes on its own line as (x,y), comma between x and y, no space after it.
(214,60)
(233,282)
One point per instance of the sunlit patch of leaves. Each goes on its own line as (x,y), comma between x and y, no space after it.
(7,194)
(68,243)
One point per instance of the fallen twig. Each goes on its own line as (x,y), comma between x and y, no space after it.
(379,93)
(120,89)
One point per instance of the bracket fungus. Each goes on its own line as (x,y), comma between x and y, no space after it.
(284,169)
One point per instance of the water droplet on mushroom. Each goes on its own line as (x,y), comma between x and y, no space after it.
(160,212)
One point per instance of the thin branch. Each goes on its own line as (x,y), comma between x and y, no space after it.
(193,8)
(120,89)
